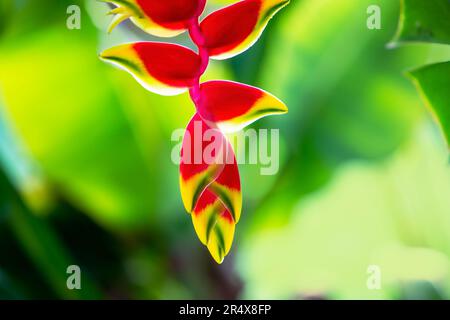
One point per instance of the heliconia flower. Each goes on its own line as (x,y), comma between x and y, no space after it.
(162,68)
(209,175)
(235,28)
(233,105)
(211,191)
(162,18)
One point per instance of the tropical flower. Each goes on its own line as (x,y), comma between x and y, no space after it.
(210,190)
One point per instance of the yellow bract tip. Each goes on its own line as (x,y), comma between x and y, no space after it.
(117,20)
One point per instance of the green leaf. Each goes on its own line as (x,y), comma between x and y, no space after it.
(424,21)
(433,82)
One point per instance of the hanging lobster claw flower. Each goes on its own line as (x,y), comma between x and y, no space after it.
(233,29)
(162,18)
(210,186)
(209,175)
(233,105)
(162,68)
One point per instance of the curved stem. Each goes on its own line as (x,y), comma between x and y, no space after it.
(199,40)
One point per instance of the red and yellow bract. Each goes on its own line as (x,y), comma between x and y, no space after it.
(232,105)
(211,190)
(163,68)
(232,30)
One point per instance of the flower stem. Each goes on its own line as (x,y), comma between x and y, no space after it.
(197,37)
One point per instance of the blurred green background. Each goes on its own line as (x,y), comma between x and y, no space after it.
(86,176)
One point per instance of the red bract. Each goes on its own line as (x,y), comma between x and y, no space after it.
(234,29)
(233,105)
(209,175)
(163,18)
(196,171)
(162,68)
(171,14)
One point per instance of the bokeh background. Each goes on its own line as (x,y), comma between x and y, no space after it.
(86,176)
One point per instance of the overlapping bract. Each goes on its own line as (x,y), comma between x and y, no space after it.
(209,175)
(214,225)
(162,18)
(199,167)
(210,185)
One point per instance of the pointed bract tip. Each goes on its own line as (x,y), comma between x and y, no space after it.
(118,19)
(218,258)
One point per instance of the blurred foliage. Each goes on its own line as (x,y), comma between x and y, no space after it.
(424,21)
(86,176)
(434,81)
(393,215)
(331,119)
(429,22)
